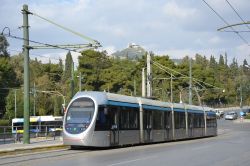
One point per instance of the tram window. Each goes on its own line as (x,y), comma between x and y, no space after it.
(124,118)
(190,120)
(157,120)
(198,120)
(202,121)
(167,119)
(102,121)
(133,118)
(210,123)
(147,119)
(129,118)
(180,121)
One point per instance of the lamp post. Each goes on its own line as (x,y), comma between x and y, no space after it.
(190,81)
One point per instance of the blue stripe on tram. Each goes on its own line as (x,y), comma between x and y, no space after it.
(118,103)
(156,108)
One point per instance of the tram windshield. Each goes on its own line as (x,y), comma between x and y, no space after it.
(80,111)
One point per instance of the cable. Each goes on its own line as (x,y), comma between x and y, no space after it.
(243,39)
(32,41)
(69,30)
(237,13)
(18,51)
(163,69)
(237,31)
(196,80)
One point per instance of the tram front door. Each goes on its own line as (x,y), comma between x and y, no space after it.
(114,131)
(148,122)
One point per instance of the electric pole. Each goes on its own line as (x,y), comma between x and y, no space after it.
(190,81)
(26,117)
(15,103)
(34,91)
(171,88)
(143,91)
(149,75)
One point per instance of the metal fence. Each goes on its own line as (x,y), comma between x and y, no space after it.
(15,134)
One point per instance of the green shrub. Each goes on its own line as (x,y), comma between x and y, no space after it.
(4,122)
(248,116)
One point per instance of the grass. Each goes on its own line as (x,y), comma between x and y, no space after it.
(248,116)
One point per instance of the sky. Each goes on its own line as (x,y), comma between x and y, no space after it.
(167,27)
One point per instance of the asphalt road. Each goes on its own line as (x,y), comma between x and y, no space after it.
(230,148)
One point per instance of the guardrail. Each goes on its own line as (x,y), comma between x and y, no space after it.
(15,134)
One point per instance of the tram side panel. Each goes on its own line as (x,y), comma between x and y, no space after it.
(117,125)
(158,126)
(102,133)
(180,124)
(147,125)
(211,126)
(129,126)
(168,126)
(196,125)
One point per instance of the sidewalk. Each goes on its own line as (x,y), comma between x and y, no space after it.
(37,144)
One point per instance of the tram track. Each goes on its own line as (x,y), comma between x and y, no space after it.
(12,159)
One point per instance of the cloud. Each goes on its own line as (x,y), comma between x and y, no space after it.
(180,53)
(215,40)
(179,26)
(242,52)
(109,49)
(172,9)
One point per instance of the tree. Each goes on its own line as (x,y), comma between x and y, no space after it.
(7,80)
(3,47)
(91,65)
(68,67)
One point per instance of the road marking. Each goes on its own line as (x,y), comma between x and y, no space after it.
(130,161)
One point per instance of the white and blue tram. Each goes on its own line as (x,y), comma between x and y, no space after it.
(101,119)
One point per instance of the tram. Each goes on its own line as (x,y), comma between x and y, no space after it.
(100,119)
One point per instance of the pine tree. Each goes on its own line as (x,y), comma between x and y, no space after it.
(3,47)
(68,66)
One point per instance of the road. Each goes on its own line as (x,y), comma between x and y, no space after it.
(230,148)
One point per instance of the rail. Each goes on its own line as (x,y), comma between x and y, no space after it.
(9,134)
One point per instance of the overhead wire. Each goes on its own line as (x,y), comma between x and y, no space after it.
(237,13)
(36,42)
(95,42)
(163,69)
(195,79)
(36,55)
(236,32)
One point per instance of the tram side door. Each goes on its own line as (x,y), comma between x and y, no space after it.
(148,119)
(114,131)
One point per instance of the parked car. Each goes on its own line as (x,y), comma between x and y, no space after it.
(231,116)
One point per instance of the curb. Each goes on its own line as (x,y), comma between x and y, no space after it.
(23,150)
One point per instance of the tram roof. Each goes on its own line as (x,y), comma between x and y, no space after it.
(146,101)
(104,97)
